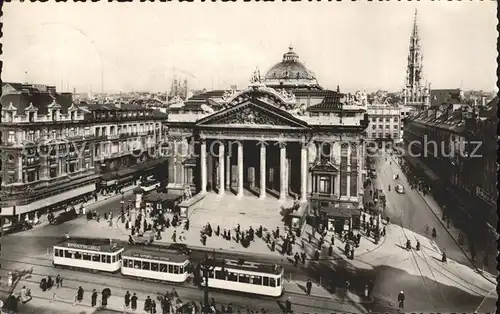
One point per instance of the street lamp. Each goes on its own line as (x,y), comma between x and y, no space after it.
(207,266)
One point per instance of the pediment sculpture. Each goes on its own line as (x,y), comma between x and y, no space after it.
(228,94)
(249,116)
(256,78)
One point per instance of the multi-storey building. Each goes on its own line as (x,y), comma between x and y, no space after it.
(451,144)
(385,123)
(51,148)
(312,137)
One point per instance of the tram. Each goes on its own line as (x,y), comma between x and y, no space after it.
(156,263)
(248,277)
(92,254)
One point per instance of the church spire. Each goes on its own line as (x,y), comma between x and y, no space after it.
(415,58)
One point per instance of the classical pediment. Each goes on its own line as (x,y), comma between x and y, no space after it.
(72,108)
(324,165)
(10,107)
(54,105)
(252,113)
(31,108)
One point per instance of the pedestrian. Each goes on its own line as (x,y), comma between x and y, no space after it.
(93,299)
(133,302)
(174,236)
(50,283)
(330,250)
(308,286)
(182,236)
(79,295)
(127,299)
(147,304)
(58,281)
(332,240)
(153,307)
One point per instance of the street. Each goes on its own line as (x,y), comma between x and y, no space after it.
(423,292)
(33,253)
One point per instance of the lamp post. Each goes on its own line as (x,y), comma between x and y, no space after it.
(207,266)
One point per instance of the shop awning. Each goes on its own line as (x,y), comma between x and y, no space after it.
(340,211)
(49,201)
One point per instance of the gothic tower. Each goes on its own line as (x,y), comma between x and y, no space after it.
(415,93)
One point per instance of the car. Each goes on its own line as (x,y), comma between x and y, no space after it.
(19,226)
(145,238)
(400,189)
(64,216)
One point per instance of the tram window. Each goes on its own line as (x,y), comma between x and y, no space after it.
(119,256)
(219,275)
(211,274)
(256,280)
(125,263)
(113,258)
(244,278)
(130,263)
(96,257)
(163,268)
(56,252)
(78,255)
(171,269)
(103,258)
(232,277)
(272,282)
(145,265)
(278,282)
(154,266)
(68,254)
(265,281)
(176,269)
(182,270)
(137,264)
(108,259)
(87,256)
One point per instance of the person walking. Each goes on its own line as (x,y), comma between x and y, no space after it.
(79,295)
(58,281)
(174,236)
(127,299)
(93,298)
(308,286)
(133,302)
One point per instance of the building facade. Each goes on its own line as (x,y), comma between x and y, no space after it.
(55,151)
(386,122)
(451,144)
(284,135)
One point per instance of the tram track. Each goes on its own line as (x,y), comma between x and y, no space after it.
(66,275)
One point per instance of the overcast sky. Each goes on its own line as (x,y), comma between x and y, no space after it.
(141,46)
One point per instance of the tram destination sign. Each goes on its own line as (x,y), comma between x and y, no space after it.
(84,247)
(148,256)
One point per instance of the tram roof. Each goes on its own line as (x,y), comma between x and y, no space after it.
(156,253)
(97,245)
(275,269)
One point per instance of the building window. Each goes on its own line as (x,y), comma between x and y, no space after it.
(374,126)
(12,137)
(387,126)
(395,135)
(325,183)
(354,170)
(31,176)
(343,170)
(374,119)
(380,126)
(387,119)
(396,119)
(53,172)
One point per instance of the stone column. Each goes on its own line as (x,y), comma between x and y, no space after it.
(349,170)
(262,171)
(20,169)
(240,168)
(203,164)
(181,159)
(303,172)
(228,167)
(283,171)
(221,169)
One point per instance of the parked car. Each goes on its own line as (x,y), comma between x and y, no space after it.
(145,238)
(19,226)
(64,216)
(400,189)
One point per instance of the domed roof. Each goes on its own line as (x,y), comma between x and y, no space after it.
(290,69)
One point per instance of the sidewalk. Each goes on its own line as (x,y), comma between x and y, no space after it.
(89,205)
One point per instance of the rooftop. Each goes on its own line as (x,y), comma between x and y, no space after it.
(97,245)
(249,266)
(156,253)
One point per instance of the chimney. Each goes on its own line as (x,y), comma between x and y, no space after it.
(483,101)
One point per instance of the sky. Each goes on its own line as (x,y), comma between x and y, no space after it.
(142,46)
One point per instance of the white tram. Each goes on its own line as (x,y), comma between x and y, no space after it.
(88,254)
(248,277)
(156,263)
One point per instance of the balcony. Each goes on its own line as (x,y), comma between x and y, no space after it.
(113,136)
